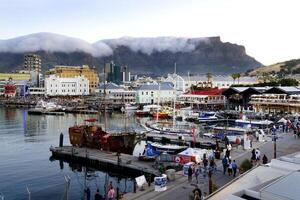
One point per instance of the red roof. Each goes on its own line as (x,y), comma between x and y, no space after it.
(208,91)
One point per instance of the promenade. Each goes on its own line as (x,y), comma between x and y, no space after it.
(181,189)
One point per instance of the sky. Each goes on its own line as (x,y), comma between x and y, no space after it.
(269,29)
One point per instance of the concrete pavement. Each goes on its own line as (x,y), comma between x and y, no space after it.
(181,189)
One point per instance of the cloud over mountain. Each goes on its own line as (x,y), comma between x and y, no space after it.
(53,43)
(59,43)
(159,44)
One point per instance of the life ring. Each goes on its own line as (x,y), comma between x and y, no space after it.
(177,159)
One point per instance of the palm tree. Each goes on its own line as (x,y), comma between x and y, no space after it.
(233,76)
(238,76)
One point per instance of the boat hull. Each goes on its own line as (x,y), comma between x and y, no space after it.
(95,137)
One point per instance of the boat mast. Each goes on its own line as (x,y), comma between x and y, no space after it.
(104,101)
(174,103)
(158,102)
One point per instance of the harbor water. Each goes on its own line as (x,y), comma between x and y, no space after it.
(24,157)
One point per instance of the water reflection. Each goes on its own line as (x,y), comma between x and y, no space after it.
(25,141)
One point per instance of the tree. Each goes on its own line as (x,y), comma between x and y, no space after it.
(238,76)
(288,82)
(233,76)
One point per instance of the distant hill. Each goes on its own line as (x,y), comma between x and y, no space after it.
(283,68)
(142,55)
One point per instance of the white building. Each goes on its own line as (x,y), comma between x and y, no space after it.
(178,82)
(117,94)
(56,86)
(185,82)
(155,93)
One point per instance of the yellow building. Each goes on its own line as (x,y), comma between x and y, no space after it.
(73,71)
(15,76)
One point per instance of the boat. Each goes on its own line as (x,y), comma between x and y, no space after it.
(130,107)
(169,128)
(147,110)
(207,116)
(93,136)
(261,124)
(43,107)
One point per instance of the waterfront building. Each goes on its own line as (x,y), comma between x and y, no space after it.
(75,71)
(116,73)
(215,81)
(208,97)
(155,93)
(277,99)
(57,86)
(117,94)
(279,179)
(12,88)
(109,88)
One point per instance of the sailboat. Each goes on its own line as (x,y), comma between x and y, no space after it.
(94,136)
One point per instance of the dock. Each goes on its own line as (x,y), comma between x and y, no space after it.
(42,112)
(105,159)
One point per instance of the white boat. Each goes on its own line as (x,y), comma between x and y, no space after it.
(147,110)
(129,107)
(43,107)
(207,116)
(254,123)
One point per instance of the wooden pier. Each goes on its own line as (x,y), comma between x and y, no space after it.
(100,158)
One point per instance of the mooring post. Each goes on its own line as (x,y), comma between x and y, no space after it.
(61,140)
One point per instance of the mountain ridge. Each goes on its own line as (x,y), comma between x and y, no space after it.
(142,55)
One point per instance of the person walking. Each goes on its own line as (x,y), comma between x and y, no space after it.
(205,163)
(225,164)
(88,193)
(234,168)
(253,156)
(265,159)
(111,193)
(212,165)
(257,155)
(197,172)
(229,168)
(190,174)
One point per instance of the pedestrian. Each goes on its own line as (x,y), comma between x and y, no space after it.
(257,155)
(111,193)
(234,168)
(265,159)
(88,193)
(227,153)
(253,156)
(225,164)
(205,163)
(197,172)
(229,168)
(190,174)
(98,195)
(197,194)
(212,165)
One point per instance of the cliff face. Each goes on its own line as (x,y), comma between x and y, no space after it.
(194,55)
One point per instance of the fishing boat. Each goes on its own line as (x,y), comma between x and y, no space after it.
(93,136)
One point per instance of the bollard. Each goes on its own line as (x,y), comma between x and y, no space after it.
(134,186)
(61,140)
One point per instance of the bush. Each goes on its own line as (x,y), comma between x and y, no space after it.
(245,166)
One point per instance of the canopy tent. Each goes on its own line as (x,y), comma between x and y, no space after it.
(190,155)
